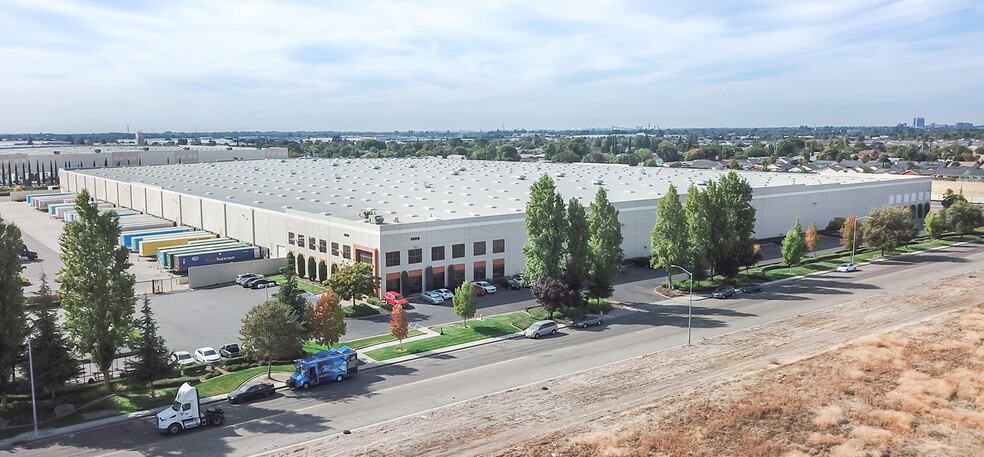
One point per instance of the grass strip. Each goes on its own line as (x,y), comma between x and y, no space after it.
(311,347)
(457,333)
(302,284)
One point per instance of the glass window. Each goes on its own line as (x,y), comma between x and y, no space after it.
(322,246)
(334,249)
(312,243)
(363,256)
(499,270)
(437,253)
(479,248)
(498,246)
(300,240)
(457,251)
(392,258)
(415,256)
(479,271)
(393,284)
(346,252)
(290,237)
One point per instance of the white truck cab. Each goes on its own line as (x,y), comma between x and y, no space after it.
(186,413)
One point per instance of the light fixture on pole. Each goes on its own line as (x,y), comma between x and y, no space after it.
(854,235)
(34,401)
(690,307)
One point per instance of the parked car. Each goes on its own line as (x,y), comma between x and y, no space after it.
(182,358)
(509,283)
(394,298)
(208,356)
(262,283)
(847,267)
(240,279)
(522,280)
(230,350)
(447,294)
(489,288)
(981,239)
(249,392)
(433,298)
(586,320)
(248,283)
(540,328)
(723,292)
(479,292)
(751,288)
(28,254)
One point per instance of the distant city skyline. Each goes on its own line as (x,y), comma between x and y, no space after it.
(90,66)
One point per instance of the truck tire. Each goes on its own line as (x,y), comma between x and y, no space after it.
(553,332)
(338,378)
(536,335)
(216,419)
(305,386)
(174,429)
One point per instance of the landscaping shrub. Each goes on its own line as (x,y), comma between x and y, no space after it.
(600,307)
(212,374)
(375,301)
(386,306)
(359,310)
(175,382)
(193,370)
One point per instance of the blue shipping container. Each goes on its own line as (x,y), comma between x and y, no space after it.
(126,238)
(30,198)
(183,262)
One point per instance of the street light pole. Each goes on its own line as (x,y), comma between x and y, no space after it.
(34,402)
(690,307)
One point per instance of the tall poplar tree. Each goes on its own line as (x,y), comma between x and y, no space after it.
(605,244)
(96,288)
(578,251)
(669,236)
(546,227)
(698,231)
(13,329)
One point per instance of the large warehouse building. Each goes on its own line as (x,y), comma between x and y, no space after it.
(426,223)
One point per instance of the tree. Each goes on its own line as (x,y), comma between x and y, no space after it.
(546,228)
(398,324)
(12,318)
(751,256)
(949,198)
(698,236)
(963,216)
(732,222)
(605,244)
(935,225)
(153,357)
(669,236)
(290,266)
(53,361)
(553,294)
(96,288)
(794,246)
(578,251)
(326,320)
(850,239)
(291,295)
(889,227)
(812,239)
(271,331)
(355,281)
(465,302)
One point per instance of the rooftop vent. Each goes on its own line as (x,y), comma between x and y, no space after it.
(598,182)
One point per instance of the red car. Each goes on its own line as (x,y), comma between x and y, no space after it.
(479,291)
(394,298)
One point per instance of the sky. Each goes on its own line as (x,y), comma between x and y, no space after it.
(75,66)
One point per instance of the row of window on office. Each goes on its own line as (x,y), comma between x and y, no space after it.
(393,258)
(315,244)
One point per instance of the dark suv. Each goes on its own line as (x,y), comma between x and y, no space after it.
(28,254)
(723,292)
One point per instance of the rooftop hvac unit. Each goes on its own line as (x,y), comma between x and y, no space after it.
(377,219)
(598,182)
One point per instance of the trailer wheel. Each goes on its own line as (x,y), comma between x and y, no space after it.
(338,378)
(216,419)
(174,429)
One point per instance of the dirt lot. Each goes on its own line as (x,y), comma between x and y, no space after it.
(898,374)
(973,190)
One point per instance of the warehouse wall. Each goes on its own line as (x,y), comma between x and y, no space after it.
(212,275)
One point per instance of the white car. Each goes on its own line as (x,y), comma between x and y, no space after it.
(434,298)
(846,267)
(447,294)
(241,279)
(208,356)
(182,358)
(489,288)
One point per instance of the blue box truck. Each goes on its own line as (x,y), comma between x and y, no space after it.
(331,365)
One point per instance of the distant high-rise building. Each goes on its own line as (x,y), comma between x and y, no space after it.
(919,122)
(139,137)
(963,126)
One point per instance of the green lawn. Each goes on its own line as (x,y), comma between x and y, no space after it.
(302,284)
(311,347)
(456,333)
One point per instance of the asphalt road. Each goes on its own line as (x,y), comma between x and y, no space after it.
(413,387)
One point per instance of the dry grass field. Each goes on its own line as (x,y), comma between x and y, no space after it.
(897,374)
(973,190)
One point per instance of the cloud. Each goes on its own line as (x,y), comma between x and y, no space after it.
(375,65)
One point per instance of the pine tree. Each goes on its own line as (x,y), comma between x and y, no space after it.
(96,288)
(12,319)
(398,324)
(578,252)
(465,302)
(669,235)
(326,320)
(291,295)
(153,360)
(605,244)
(53,362)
